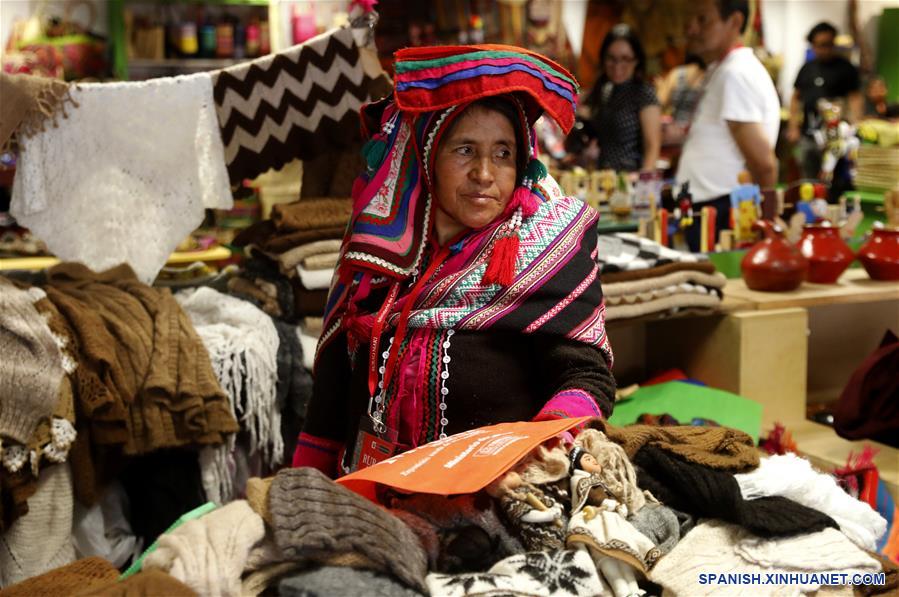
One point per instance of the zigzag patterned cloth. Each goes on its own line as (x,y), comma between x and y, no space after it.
(623,251)
(296,103)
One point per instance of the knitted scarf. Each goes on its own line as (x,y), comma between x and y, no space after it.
(242,342)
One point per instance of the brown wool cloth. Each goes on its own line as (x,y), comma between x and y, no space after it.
(147,583)
(316,519)
(720,448)
(81,575)
(29,104)
(704,267)
(144,380)
(312,214)
(891,584)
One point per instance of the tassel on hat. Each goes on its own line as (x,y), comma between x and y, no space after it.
(501,267)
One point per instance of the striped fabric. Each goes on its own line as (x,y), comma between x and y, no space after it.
(294,104)
(429,79)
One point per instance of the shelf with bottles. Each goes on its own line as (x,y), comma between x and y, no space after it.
(152,39)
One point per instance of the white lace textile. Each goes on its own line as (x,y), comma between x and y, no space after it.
(127,175)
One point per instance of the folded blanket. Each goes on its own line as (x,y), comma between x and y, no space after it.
(326,261)
(318,279)
(653,272)
(311,214)
(643,285)
(626,252)
(669,302)
(652,294)
(288,260)
(127,176)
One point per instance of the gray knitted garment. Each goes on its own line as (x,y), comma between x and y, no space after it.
(314,518)
(329,581)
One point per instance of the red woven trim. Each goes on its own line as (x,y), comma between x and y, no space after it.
(317,452)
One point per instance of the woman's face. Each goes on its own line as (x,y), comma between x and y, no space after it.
(620,62)
(474,171)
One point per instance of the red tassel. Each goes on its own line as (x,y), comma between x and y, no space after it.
(528,202)
(501,267)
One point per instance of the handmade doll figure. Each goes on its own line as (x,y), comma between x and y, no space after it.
(601,489)
(536,517)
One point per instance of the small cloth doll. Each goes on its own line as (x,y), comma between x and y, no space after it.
(603,493)
(534,516)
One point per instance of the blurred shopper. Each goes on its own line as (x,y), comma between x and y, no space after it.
(679,92)
(623,107)
(737,118)
(826,76)
(876,104)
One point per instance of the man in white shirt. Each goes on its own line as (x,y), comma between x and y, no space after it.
(737,118)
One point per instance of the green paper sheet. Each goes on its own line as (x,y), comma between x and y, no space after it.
(195,513)
(684,401)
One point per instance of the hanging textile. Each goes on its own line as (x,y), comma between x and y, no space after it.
(126,176)
(297,103)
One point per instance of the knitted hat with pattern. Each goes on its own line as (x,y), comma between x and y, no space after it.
(31,366)
(42,539)
(80,575)
(313,518)
(209,553)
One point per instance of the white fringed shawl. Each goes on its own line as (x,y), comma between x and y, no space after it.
(242,342)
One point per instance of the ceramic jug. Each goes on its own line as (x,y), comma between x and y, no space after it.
(773,264)
(828,255)
(880,255)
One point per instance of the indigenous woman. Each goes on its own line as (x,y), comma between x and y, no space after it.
(467,291)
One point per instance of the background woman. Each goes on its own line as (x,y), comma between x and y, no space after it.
(623,107)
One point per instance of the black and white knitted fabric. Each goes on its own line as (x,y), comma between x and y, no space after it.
(564,573)
(297,103)
(623,251)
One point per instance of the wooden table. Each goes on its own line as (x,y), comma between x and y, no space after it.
(853,287)
(783,350)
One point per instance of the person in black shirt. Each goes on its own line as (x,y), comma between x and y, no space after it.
(623,107)
(827,76)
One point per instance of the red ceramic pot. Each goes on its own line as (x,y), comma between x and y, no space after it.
(828,256)
(880,255)
(773,264)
